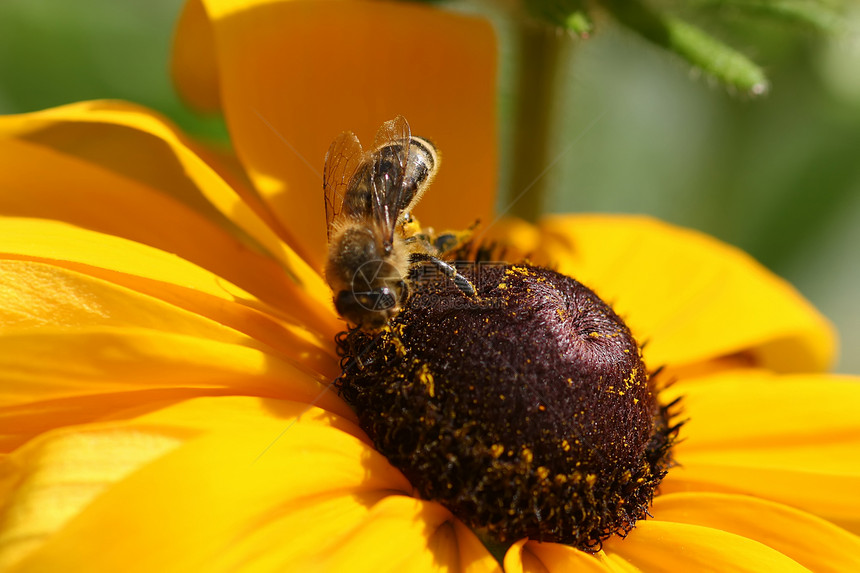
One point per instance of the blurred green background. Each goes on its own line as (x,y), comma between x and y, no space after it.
(778,176)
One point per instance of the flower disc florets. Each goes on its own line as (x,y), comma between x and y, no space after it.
(526,410)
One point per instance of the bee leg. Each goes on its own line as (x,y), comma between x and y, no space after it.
(423,241)
(460,281)
(449,241)
(465,286)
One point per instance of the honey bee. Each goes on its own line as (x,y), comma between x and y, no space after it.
(373,239)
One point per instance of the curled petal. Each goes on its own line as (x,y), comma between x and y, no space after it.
(350,66)
(193,65)
(64,164)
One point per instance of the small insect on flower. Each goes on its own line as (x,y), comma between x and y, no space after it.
(373,239)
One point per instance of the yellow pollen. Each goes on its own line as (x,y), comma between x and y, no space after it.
(528,456)
(426,378)
(398,346)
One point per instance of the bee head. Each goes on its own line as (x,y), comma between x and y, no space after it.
(373,299)
(369,310)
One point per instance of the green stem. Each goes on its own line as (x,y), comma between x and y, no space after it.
(543,57)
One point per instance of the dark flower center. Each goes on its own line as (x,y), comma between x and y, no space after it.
(526,410)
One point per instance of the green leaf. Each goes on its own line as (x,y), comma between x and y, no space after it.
(691,43)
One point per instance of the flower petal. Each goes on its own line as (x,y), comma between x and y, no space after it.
(120,170)
(518,239)
(527,556)
(46,384)
(193,65)
(474,557)
(161,275)
(75,346)
(44,487)
(295,74)
(66,334)
(405,534)
(37,295)
(667,546)
(221,500)
(808,540)
(691,297)
(793,439)
(47,482)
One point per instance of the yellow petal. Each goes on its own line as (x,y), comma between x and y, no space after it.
(177,298)
(193,66)
(520,240)
(135,145)
(229,414)
(61,377)
(50,480)
(294,75)
(690,296)
(161,274)
(403,534)
(44,487)
(809,540)
(208,503)
(666,546)
(39,295)
(39,299)
(474,557)
(74,347)
(794,439)
(120,170)
(532,557)
(365,531)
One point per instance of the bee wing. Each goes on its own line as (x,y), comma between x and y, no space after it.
(341,161)
(391,160)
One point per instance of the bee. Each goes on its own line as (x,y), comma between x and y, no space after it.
(373,239)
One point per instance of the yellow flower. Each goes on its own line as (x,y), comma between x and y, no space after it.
(167,339)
